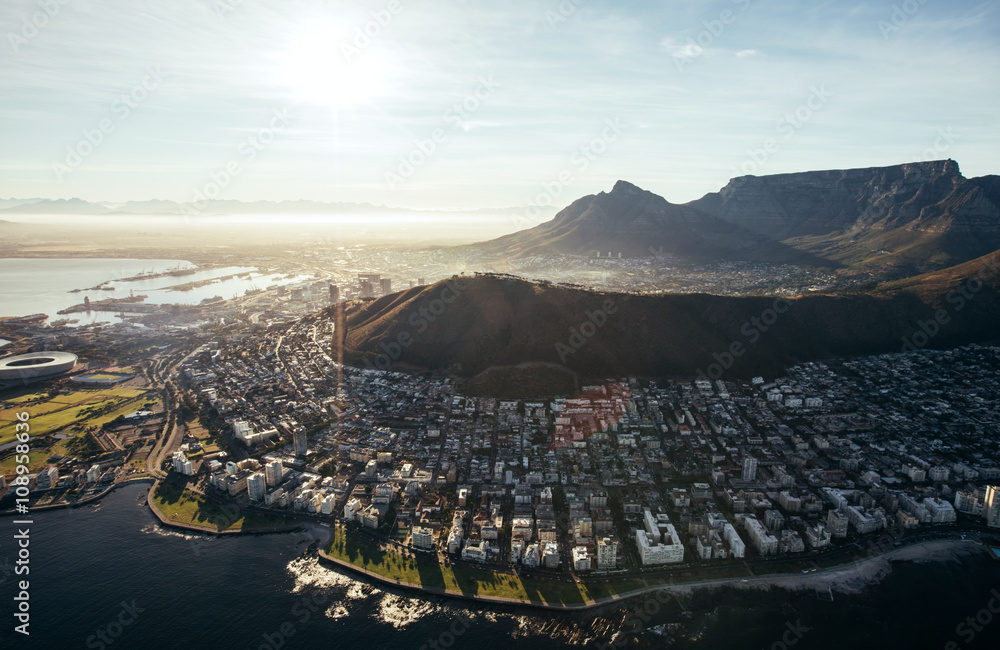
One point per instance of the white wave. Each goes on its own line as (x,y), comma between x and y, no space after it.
(400,611)
(155,529)
(308,573)
(337,610)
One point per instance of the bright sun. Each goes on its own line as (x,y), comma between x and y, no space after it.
(319,69)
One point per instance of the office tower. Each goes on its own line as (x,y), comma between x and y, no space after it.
(299,440)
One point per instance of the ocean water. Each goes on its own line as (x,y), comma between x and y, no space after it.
(110,570)
(31,286)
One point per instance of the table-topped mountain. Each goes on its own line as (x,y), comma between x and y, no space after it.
(905,218)
(635,222)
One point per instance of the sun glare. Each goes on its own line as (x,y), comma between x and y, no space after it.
(323,66)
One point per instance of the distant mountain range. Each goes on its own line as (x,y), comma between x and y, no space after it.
(217,207)
(905,219)
(506,336)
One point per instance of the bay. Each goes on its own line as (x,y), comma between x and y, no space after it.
(32,285)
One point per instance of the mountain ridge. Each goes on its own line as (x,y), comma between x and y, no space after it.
(923,215)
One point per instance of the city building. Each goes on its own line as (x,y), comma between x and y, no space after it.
(652,529)
(837,523)
(550,555)
(993,506)
(862,521)
(423,538)
(532,556)
(737,547)
(669,551)
(256,486)
(454,541)
(765,543)
(789,503)
(817,536)
(352,509)
(274,473)
(300,442)
(940,510)
(236,483)
(48,478)
(241,429)
(607,553)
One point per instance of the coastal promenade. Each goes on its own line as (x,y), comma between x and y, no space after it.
(849,576)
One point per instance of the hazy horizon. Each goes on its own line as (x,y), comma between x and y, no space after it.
(382,209)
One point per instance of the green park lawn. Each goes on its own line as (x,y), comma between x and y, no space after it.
(104,376)
(36,462)
(182,506)
(78,408)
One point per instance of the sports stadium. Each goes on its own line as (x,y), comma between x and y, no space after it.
(23,368)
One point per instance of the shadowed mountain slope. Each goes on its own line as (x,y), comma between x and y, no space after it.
(483,324)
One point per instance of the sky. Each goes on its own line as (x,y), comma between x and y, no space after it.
(464,104)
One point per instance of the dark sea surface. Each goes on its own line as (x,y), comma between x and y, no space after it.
(112,571)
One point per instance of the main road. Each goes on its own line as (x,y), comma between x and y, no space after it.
(168,440)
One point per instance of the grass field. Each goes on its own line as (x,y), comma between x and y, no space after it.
(102,376)
(428,573)
(209,445)
(77,408)
(195,429)
(36,462)
(23,395)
